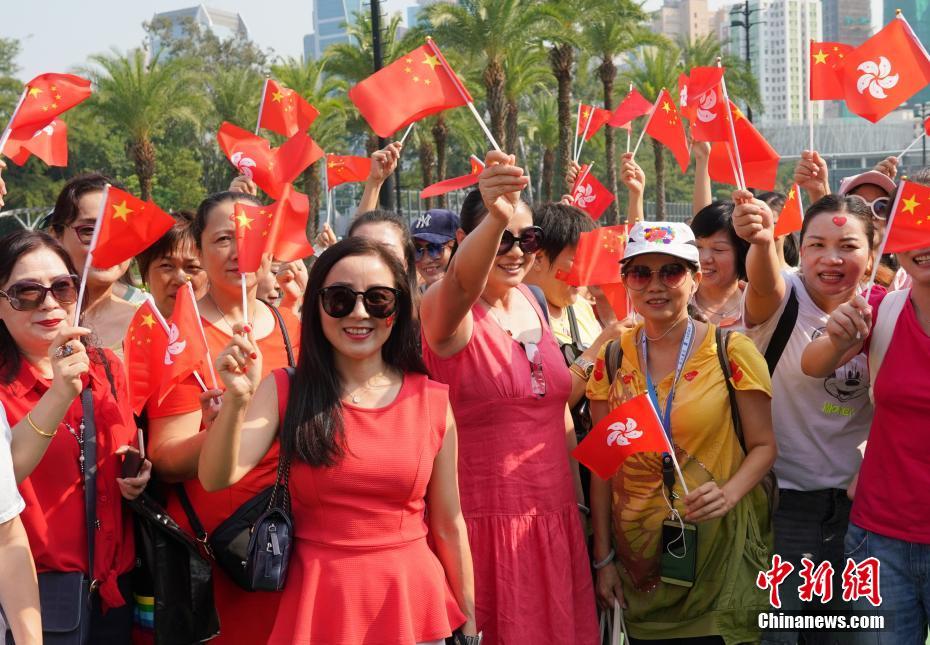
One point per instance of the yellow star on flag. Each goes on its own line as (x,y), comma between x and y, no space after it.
(910,204)
(791,193)
(120,211)
(34,92)
(148,320)
(432,61)
(666,107)
(244,220)
(820,58)
(276,97)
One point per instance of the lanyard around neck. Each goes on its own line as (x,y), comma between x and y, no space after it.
(683,351)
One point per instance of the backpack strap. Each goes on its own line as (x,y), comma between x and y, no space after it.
(540,300)
(891,307)
(287,337)
(783,331)
(723,337)
(613,357)
(573,329)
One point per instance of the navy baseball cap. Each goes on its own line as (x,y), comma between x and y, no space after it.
(436,225)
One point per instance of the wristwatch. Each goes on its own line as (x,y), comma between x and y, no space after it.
(585,366)
(461,639)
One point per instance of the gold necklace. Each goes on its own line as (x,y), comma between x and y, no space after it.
(665,333)
(368,387)
(220,311)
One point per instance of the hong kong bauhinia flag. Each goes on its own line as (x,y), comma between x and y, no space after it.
(50,144)
(708,110)
(590,195)
(885,71)
(409,89)
(629,428)
(186,350)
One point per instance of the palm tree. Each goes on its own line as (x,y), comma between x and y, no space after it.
(141,98)
(422,138)
(526,75)
(310,79)
(493,28)
(544,134)
(651,70)
(611,28)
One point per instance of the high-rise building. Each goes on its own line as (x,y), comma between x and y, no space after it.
(225,24)
(330,19)
(847,21)
(778,37)
(687,18)
(917,13)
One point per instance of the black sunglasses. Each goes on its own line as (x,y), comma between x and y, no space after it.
(28,295)
(530,240)
(433,249)
(638,276)
(339,301)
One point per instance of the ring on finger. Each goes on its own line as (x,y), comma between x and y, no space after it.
(64,350)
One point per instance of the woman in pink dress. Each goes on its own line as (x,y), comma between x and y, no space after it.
(487,338)
(372,447)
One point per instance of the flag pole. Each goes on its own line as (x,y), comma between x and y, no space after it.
(629,131)
(587,126)
(261,105)
(810,101)
(913,143)
(8,130)
(461,90)
(646,125)
(329,207)
(881,248)
(190,291)
(245,299)
(740,179)
(581,179)
(577,123)
(406,132)
(90,256)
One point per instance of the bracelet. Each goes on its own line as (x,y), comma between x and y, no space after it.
(574,369)
(603,563)
(584,509)
(47,435)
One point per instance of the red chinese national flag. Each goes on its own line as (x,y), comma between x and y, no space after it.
(909,222)
(791,216)
(825,77)
(592,119)
(409,89)
(631,107)
(597,257)
(885,71)
(455,183)
(279,229)
(143,353)
(127,227)
(186,350)
(48,96)
(759,159)
(285,111)
(666,127)
(271,168)
(629,428)
(50,144)
(345,168)
(710,121)
(590,195)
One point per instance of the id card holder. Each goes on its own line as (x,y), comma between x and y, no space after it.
(678,565)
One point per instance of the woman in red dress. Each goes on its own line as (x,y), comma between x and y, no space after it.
(372,444)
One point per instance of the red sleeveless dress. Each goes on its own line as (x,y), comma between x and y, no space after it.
(532,576)
(361,570)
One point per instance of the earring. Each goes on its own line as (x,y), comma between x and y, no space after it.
(389,321)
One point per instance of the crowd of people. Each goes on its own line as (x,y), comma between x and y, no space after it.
(422,388)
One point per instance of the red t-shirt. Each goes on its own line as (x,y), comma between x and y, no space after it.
(54,493)
(244,617)
(892,492)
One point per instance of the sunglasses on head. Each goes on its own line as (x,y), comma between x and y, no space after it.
(529,240)
(432,249)
(28,295)
(638,276)
(878,206)
(339,301)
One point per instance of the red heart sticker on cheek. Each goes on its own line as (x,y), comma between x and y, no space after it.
(690,375)
(839,221)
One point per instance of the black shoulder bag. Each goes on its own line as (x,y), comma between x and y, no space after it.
(253,545)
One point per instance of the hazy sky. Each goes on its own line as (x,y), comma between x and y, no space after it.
(59,34)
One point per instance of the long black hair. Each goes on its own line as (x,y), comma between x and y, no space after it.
(312,429)
(15,245)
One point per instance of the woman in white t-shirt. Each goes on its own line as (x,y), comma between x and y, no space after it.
(19,591)
(819,422)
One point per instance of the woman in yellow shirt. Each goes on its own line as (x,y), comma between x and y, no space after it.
(675,357)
